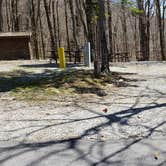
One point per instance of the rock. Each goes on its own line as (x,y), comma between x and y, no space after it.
(121,80)
(101,93)
(139,117)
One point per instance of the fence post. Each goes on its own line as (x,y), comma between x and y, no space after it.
(62,59)
(87,57)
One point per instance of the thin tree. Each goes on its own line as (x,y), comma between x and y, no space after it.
(110,29)
(160,27)
(58,23)
(67,30)
(1,16)
(73,17)
(144,44)
(34,19)
(54,24)
(124,26)
(50,28)
(14,14)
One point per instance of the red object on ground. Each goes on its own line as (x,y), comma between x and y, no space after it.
(105,110)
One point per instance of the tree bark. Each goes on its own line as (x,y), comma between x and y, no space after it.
(50,28)
(58,24)
(67,31)
(54,25)
(73,17)
(1,16)
(161,30)
(34,30)
(102,37)
(144,44)
(110,30)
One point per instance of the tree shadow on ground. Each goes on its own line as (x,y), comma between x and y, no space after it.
(50,65)
(73,144)
(20,78)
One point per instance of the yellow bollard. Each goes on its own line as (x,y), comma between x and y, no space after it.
(62,59)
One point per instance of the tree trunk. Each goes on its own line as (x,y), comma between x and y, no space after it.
(67,30)
(73,17)
(81,14)
(7,15)
(144,44)
(42,36)
(159,19)
(90,14)
(34,30)
(124,27)
(110,30)
(102,37)
(54,25)
(58,24)
(1,16)
(50,28)
(15,17)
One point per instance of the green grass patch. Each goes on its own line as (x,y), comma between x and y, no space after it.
(31,86)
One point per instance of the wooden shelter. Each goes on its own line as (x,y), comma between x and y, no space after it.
(15,45)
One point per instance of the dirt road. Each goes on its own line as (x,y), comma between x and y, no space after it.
(136,112)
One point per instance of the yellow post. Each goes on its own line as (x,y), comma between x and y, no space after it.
(62,59)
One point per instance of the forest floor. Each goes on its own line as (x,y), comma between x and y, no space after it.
(40,103)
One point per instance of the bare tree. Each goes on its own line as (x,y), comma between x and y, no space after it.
(67,30)
(110,30)
(160,26)
(1,16)
(102,37)
(124,26)
(58,23)
(144,44)
(14,15)
(54,24)
(34,16)
(73,17)
(140,29)
(50,28)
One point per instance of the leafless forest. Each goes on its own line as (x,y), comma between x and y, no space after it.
(133,30)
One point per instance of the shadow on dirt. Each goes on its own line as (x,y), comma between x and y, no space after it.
(73,144)
(50,65)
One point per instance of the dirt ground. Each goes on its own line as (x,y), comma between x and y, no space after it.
(134,111)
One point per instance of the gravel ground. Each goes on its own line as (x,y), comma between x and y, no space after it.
(135,111)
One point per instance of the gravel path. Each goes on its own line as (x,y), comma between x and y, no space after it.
(135,111)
